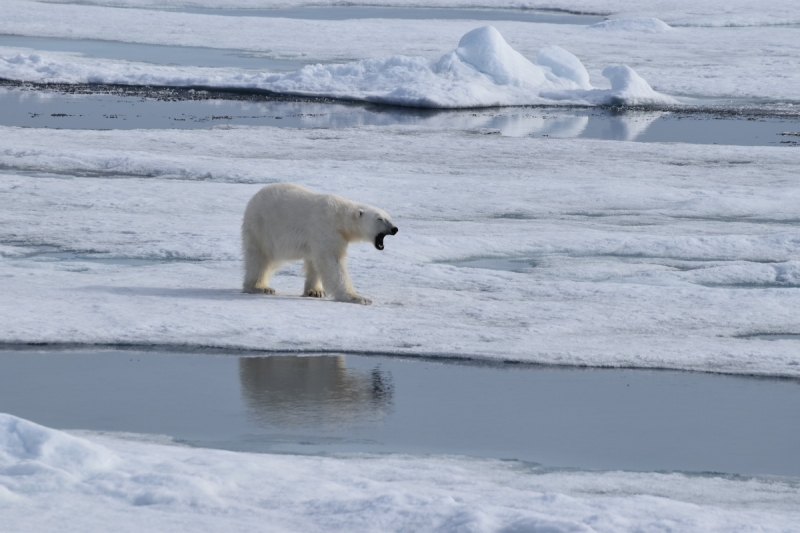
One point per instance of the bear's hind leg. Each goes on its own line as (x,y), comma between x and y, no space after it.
(313,286)
(336,280)
(257,271)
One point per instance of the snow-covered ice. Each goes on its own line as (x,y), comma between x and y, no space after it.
(96,482)
(646,256)
(637,24)
(753,62)
(483,71)
(677,12)
(658,255)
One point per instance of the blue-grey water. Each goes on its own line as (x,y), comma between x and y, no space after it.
(559,417)
(408,13)
(54,109)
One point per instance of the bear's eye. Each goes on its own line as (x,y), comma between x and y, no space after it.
(380,219)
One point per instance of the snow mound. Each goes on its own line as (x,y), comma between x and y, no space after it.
(627,89)
(486,51)
(564,65)
(640,24)
(27,448)
(483,71)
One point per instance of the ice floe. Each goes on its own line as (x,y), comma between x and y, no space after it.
(684,12)
(646,255)
(742,63)
(97,482)
(483,71)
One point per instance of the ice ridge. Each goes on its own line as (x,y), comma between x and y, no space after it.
(483,71)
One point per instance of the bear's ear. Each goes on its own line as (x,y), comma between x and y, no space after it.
(360,213)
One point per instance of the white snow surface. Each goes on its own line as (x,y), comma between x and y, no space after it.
(96,482)
(640,24)
(730,62)
(711,13)
(483,71)
(636,255)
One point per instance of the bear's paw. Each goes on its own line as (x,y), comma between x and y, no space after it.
(358,299)
(314,294)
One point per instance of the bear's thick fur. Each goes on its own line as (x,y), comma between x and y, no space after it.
(286,222)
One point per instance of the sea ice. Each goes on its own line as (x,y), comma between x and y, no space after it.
(642,24)
(483,71)
(96,482)
(627,88)
(681,12)
(646,255)
(752,62)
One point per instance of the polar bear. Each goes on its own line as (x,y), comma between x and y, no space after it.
(286,222)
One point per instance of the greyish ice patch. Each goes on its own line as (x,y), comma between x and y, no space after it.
(482,71)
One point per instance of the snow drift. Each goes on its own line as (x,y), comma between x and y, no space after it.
(483,71)
(135,485)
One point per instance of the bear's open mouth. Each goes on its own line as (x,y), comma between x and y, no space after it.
(379,240)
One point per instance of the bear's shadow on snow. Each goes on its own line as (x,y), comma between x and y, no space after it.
(192,292)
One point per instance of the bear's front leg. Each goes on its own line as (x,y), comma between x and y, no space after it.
(336,280)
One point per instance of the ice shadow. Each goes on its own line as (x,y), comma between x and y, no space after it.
(175,292)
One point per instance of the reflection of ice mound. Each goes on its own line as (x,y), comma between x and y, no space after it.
(643,24)
(483,71)
(629,128)
(562,127)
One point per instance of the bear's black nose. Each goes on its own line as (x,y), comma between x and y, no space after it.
(394,231)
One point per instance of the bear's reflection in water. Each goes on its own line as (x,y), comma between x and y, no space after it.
(289,391)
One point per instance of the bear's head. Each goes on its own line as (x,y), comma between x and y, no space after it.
(374,225)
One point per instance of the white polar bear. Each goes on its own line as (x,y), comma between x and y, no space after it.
(286,222)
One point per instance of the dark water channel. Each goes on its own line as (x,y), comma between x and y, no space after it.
(407,13)
(183,109)
(559,417)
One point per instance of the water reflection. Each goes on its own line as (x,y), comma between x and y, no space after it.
(289,391)
(540,125)
(170,108)
(623,126)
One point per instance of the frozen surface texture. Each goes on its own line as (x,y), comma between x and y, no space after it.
(610,254)
(752,63)
(97,483)
(638,24)
(483,71)
(683,12)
